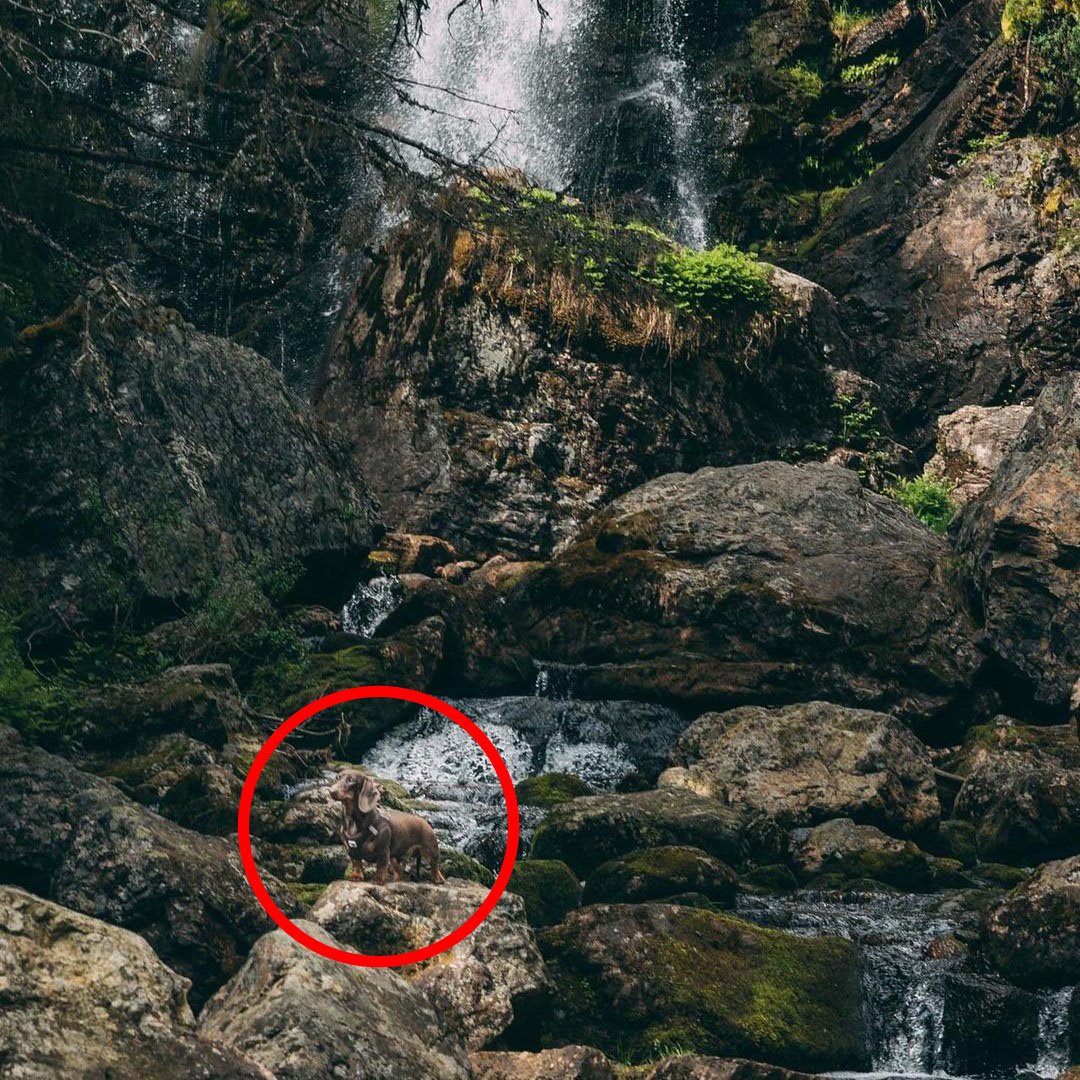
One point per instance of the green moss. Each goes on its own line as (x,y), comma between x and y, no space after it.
(1004,877)
(661,872)
(929,499)
(704,283)
(804,83)
(456,864)
(548,887)
(768,879)
(959,840)
(709,983)
(551,789)
(1021,17)
(306,893)
(846,20)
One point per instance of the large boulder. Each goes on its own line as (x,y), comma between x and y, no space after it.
(77,840)
(853,852)
(640,976)
(1033,935)
(474,988)
(659,873)
(487,425)
(803,764)
(1018,543)
(301,1015)
(562,1063)
(757,584)
(971,444)
(143,460)
(82,998)
(1025,808)
(589,831)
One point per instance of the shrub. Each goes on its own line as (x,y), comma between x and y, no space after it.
(803,82)
(847,21)
(929,499)
(863,73)
(704,282)
(1057,49)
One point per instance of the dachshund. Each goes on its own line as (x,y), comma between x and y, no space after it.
(384,837)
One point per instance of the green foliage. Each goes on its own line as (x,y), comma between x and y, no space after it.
(1020,17)
(871,70)
(846,169)
(929,499)
(984,142)
(847,20)
(234,13)
(1057,49)
(548,887)
(704,282)
(22,691)
(803,82)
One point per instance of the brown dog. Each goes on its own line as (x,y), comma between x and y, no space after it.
(384,837)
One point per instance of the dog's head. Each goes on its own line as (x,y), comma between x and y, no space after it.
(354,787)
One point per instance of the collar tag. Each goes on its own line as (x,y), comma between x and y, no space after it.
(373,830)
(351,843)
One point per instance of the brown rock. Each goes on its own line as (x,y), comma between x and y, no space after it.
(564,1063)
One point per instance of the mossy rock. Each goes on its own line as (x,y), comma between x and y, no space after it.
(551,789)
(456,864)
(773,878)
(659,872)
(307,894)
(629,977)
(206,800)
(1001,876)
(959,841)
(586,832)
(548,887)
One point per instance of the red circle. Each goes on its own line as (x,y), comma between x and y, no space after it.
(345,956)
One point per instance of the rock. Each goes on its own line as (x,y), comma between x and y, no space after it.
(987,1025)
(484,425)
(147,771)
(971,444)
(144,459)
(634,977)
(301,1015)
(1055,743)
(82,998)
(586,832)
(77,840)
(476,987)
(205,799)
(1024,809)
(548,887)
(658,873)
(860,852)
(564,1063)
(1033,935)
(1017,543)
(550,789)
(308,819)
(804,764)
(696,1067)
(738,586)
(415,553)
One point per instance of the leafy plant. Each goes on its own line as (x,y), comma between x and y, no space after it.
(928,498)
(872,69)
(802,81)
(847,20)
(702,282)
(984,142)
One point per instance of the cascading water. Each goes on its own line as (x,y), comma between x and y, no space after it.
(507,86)
(370,605)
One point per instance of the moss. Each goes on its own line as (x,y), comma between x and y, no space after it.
(306,893)
(456,864)
(551,789)
(548,887)
(959,839)
(661,872)
(1004,877)
(769,879)
(709,983)
(802,82)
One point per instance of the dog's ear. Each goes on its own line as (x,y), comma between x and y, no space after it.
(369,796)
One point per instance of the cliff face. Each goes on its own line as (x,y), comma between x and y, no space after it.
(144,461)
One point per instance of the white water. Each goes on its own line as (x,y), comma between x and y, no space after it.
(370,605)
(504,86)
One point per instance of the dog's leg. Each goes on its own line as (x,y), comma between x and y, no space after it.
(382,857)
(436,873)
(416,866)
(356,870)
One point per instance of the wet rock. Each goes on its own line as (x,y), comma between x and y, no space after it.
(987,1025)
(205,799)
(485,427)
(302,1015)
(310,818)
(738,586)
(1033,935)
(550,789)
(77,840)
(564,1063)
(857,852)
(1056,743)
(587,832)
(971,444)
(696,1067)
(1018,545)
(804,764)
(630,977)
(1024,809)
(476,987)
(143,459)
(659,873)
(152,767)
(414,553)
(549,888)
(82,998)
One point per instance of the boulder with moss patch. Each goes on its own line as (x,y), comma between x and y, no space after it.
(636,977)
(550,789)
(549,888)
(661,872)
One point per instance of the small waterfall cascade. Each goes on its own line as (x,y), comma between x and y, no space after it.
(371,604)
(504,85)
(920,1001)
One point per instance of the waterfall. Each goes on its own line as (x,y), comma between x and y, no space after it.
(370,605)
(505,86)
